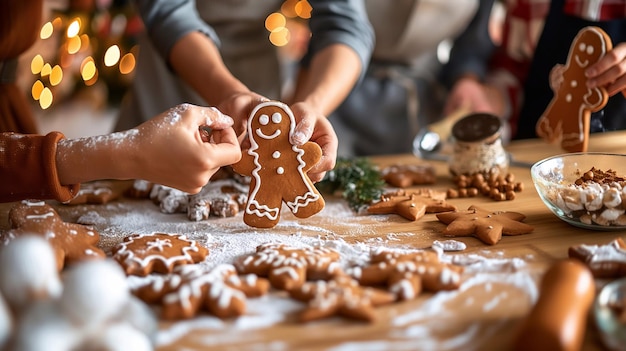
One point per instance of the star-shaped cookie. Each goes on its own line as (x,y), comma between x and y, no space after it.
(411,205)
(485,225)
(71,242)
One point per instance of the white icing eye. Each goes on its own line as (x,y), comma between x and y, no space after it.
(277,117)
(264,120)
(582,47)
(590,49)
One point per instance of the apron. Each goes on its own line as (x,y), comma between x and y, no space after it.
(244,47)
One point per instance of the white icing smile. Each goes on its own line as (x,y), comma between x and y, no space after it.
(579,62)
(268,137)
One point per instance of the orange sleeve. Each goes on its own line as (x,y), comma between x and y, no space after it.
(28,168)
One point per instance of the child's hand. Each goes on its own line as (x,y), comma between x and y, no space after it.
(609,71)
(185,146)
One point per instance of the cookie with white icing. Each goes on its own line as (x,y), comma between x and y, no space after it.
(289,267)
(141,254)
(605,261)
(568,116)
(278,168)
(190,290)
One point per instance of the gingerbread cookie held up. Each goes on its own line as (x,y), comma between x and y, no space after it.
(278,168)
(568,115)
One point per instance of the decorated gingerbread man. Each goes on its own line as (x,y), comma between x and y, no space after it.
(278,168)
(568,114)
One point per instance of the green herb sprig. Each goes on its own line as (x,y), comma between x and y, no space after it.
(359,181)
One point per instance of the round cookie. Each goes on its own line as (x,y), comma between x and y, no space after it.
(141,254)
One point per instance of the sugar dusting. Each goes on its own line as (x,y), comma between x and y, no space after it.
(492,283)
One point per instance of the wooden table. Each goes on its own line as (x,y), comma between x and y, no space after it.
(485,311)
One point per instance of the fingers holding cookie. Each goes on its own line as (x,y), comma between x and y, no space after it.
(609,71)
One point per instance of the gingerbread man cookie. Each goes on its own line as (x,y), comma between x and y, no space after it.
(278,168)
(568,115)
(71,242)
(141,254)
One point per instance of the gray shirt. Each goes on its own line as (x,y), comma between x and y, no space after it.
(237,27)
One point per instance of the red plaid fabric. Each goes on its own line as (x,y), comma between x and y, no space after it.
(596,10)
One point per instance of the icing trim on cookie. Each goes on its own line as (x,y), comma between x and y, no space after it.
(253,207)
(128,255)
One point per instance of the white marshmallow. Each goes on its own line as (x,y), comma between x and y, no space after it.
(28,271)
(94,292)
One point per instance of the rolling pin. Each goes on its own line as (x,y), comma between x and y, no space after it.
(558,320)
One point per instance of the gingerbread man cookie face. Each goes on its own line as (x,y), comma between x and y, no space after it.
(278,168)
(568,115)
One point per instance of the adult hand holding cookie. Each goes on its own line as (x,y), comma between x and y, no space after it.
(313,126)
(609,72)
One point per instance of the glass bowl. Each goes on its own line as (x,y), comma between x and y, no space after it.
(594,204)
(608,310)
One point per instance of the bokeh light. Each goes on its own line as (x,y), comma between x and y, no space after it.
(36,64)
(73,44)
(45,99)
(88,68)
(46,30)
(74,28)
(36,90)
(275,21)
(56,75)
(303,9)
(280,37)
(127,63)
(45,70)
(112,55)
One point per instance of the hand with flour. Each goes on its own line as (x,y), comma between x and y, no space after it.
(181,148)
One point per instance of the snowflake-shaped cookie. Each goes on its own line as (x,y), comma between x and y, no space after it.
(485,225)
(187,291)
(289,267)
(407,273)
(141,254)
